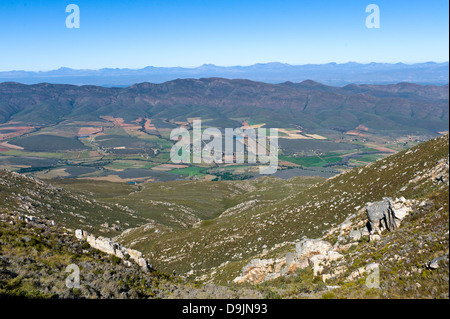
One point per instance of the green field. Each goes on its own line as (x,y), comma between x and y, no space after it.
(190,171)
(312,161)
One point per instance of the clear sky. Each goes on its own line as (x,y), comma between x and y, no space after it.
(189,33)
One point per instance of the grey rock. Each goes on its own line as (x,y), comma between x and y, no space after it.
(381,211)
(355,235)
(309,247)
(434,264)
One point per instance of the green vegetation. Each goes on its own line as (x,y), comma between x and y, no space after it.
(301,284)
(34,257)
(190,171)
(313,161)
(112,145)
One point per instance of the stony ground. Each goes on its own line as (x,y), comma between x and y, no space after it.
(34,256)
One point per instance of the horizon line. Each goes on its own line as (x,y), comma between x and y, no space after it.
(221,66)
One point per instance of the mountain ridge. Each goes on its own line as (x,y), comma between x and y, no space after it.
(401,106)
(272,72)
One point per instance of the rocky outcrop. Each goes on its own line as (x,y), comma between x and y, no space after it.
(320,253)
(361,271)
(110,247)
(258,270)
(311,247)
(309,252)
(44,274)
(354,228)
(381,211)
(402,208)
(313,252)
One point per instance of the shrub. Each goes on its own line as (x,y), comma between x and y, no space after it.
(115,260)
(272,295)
(329,295)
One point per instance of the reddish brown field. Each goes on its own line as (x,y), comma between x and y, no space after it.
(148,125)
(88,131)
(7,132)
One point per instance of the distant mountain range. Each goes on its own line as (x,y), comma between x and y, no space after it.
(330,74)
(402,107)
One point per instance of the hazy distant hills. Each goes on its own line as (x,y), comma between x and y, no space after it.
(330,74)
(402,107)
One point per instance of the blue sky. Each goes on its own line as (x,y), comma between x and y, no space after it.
(189,33)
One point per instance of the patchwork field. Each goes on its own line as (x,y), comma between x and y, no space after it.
(137,151)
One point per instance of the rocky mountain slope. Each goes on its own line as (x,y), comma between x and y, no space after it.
(221,248)
(311,243)
(37,260)
(32,197)
(409,262)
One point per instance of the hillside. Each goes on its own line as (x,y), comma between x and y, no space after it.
(219,249)
(260,224)
(184,204)
(247,246)
(409,262)
(34,260)
(28,196)
(222,102)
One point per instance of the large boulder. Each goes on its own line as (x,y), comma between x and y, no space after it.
(79,234)
(334,255)
(256,271)
(309,252)
(355,235)
(110,247)
(317,262)
(310,247)
(381,212)
(294,263)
